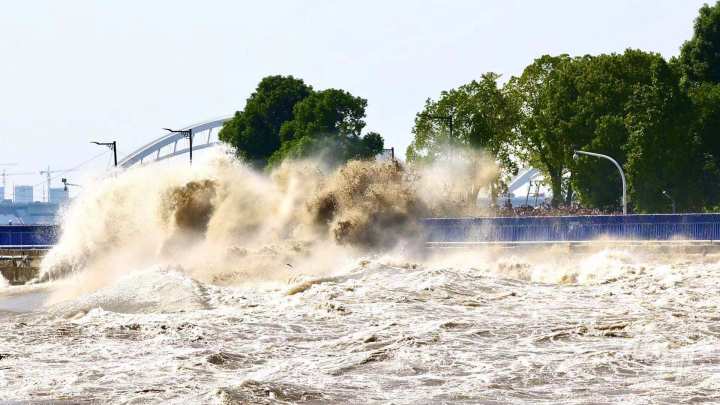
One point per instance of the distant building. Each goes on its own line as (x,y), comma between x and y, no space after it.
(23,194)
(2,194)
(28,213)
(59,195)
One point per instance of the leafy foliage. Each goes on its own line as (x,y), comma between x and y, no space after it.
(700,56)
(606,85)
(328,123)
(546,94)
(658,119)
(255,131)
(662,159)
(483,117)
(285,118)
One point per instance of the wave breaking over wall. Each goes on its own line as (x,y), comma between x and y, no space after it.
(225,223)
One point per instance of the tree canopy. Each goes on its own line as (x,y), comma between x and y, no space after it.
(658,119)
(255,131)
(700,56)
(482,118)
(662,158)
(545,94)
(285,118)
(328,124)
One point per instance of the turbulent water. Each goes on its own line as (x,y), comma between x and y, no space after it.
(328,322)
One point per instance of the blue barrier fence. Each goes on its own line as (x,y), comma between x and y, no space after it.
(503,229)
(28,235)
(574,228)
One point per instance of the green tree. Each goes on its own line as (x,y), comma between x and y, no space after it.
(661,156)
(704,130)
(328,124)
(605,85)
(483,117)
(699,61)
(700,56)
(330,111)
(369,146)
(579,103)
(255,131)
(546,93)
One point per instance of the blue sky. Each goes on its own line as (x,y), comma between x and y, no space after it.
(75,71)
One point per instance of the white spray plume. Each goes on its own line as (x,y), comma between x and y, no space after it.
(225,223)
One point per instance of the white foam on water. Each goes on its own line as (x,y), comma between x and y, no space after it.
(231,286)
(384,330)
(153,290)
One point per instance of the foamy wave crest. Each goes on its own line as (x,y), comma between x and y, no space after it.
(153,290)
(226,223)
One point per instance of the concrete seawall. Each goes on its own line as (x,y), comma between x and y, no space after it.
(18,266)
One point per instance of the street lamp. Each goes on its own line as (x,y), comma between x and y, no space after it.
(622,175)
(66,184)
(188,134)
(666,194)
(113,147)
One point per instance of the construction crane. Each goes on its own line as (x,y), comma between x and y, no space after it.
(48,173)
(2,197)
(66,184)
(4,174)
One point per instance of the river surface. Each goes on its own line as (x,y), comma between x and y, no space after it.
(612,326)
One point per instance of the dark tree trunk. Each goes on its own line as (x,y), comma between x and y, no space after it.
(569,194)
(556,184)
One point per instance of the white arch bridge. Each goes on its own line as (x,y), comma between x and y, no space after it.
(205,135)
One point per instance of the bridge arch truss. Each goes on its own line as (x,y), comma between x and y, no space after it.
(205,135)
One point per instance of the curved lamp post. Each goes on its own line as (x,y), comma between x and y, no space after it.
(188,134)
(672,200)
(622,175)
(113,147)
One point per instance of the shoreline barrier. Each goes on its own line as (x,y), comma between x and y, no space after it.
(28,236)
(651,227)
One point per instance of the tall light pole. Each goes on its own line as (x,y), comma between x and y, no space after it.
(672,200)
(188,134)
(113,147)
(622,174)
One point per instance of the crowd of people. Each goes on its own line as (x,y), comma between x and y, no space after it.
(546,211)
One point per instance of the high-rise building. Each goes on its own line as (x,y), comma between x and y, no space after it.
(58,195)
(23,194)
(2,193)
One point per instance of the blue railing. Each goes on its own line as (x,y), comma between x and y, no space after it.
(28,235)
(574,228)
(501,229)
